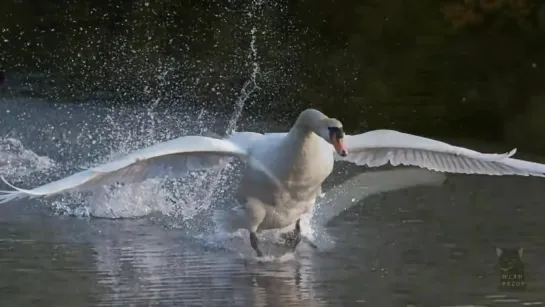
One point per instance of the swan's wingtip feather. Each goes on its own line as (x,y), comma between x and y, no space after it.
(12,186)
(512,152)
(10,195)
(4,180)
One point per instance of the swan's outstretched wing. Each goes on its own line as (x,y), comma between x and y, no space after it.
(171,158)
(379,147)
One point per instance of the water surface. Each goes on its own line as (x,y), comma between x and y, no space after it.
(423,246)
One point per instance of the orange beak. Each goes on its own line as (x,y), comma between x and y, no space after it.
(339,146)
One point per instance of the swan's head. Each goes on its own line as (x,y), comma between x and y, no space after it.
(329,129)
(332,131)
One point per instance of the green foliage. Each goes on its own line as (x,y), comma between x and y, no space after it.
(433,65)
(441,66)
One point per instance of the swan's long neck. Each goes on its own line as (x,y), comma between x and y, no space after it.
(300,153)
(302,143)
(308,120)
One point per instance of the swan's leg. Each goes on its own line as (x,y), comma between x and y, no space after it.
(294,237)
(255,242)
(255,212)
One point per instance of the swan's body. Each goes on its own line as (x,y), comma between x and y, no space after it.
(285,171)
(292,160)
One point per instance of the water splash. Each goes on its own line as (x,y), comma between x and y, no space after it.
(87,135)
(247,90)
(17,161)
(177,198)
(249,87)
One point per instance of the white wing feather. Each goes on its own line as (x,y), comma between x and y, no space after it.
(380,147)
(171,158)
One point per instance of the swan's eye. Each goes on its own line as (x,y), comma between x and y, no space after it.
(336,132)
(336,135)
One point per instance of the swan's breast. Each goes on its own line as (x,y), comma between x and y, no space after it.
(300,168)
(311,165)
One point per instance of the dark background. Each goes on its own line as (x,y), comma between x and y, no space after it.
(431,67)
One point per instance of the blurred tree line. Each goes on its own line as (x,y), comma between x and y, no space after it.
(433,67)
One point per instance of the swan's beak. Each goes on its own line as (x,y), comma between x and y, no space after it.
(339,145)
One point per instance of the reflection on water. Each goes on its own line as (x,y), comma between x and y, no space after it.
(145,265)
(41,269)
(427,246)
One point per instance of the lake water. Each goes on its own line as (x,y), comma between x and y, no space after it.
(419,246)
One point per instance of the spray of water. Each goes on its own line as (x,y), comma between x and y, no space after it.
(247,90)
(17,161)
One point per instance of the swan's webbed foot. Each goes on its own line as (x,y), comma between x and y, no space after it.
(254,242)
(293,238)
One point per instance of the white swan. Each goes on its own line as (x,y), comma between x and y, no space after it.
(286,170)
